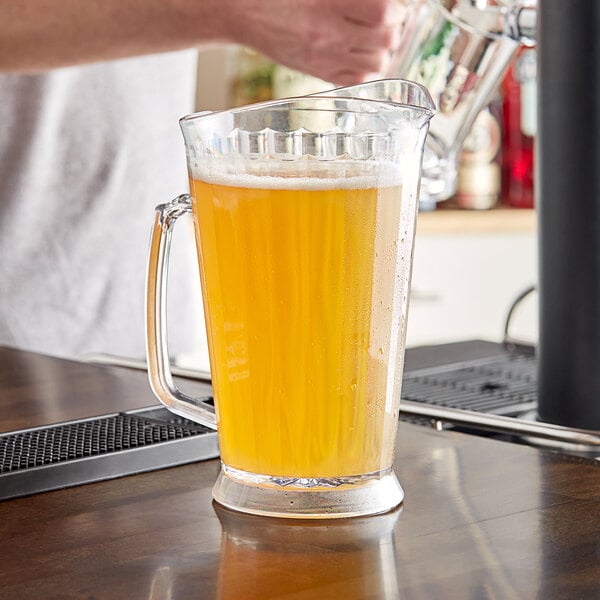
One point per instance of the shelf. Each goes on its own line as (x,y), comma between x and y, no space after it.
(448,221)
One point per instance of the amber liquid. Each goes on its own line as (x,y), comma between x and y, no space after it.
(304,293)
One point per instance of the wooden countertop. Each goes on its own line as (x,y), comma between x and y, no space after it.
(451,221)
(481,519)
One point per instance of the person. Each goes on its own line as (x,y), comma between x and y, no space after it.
(90,98)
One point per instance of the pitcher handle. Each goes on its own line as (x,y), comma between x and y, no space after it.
(159,371)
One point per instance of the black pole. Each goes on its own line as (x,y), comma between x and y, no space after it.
(568,201)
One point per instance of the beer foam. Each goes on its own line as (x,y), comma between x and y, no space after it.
(301,176)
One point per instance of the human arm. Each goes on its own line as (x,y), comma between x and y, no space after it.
(343,41)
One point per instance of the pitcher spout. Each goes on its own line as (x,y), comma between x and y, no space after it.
(395,91)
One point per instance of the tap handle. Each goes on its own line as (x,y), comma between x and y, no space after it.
(521,21)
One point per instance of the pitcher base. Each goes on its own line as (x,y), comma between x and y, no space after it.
(308,498)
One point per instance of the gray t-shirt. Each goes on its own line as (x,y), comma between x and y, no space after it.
(86,153)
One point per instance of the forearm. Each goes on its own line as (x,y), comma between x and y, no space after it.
(42,34)
(342,41)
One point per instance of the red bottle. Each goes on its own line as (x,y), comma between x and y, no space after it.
(519,106)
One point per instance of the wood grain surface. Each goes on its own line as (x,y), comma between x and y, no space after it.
(481,519)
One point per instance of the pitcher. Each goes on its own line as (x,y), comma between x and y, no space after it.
(304,213)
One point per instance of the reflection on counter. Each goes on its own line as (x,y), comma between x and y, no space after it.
(260,555)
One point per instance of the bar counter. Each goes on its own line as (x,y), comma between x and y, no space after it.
(481,518)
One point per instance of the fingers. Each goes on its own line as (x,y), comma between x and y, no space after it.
(372,33)
(375,62)
(341,76)
(367,39)
(345,78)
(341,41)
(374,13)
(347,65)
(357,52)
(351,67)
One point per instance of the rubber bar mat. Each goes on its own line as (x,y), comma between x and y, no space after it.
(104,447)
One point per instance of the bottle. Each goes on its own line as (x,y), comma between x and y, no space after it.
(479,178)
(519,116)
(254,78)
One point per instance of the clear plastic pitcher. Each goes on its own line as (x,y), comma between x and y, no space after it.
(304,213)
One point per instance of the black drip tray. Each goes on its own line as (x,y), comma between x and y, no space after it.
(504,385)
(496,394)
(104,447)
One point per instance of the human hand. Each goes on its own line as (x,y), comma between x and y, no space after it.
(341,41)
